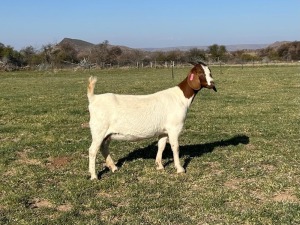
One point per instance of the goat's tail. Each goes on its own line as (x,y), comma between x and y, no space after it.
(91,87)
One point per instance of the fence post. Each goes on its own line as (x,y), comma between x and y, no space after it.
(172,65)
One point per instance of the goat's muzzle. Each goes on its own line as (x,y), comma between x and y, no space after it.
(212,86)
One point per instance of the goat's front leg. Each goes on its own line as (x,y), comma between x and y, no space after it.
(105,152)
(161,147)
(173,139)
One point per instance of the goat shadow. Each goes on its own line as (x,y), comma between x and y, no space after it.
(186,151)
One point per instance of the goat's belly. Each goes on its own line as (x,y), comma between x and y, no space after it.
(133,137)
(134,128)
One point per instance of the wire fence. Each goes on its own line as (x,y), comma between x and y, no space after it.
(86,65)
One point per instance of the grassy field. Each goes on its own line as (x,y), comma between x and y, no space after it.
(240,148)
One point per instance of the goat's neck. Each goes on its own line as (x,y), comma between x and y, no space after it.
(188,92)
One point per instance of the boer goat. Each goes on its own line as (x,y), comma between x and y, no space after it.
(136,117)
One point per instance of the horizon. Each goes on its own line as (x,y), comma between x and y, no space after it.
(155,24)
(184,48)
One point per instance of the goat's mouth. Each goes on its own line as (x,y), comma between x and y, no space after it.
(212,86)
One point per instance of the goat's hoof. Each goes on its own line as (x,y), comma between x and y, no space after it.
(180,170)
(94,177)
(160,168)
(114,168)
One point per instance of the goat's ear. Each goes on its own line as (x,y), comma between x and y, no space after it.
(202,63)
(193,63)
(194,81)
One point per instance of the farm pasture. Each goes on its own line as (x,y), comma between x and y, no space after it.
(240,151)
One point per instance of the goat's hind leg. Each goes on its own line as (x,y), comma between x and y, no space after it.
(97,137)
(105,152)
(161,147)
(92,157)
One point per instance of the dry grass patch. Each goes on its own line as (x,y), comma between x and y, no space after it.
(64,208)
(39,203)
(23,158)
(286,196)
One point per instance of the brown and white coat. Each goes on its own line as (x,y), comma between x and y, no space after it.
(137,117)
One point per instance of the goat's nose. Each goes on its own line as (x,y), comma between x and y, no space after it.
(212,85)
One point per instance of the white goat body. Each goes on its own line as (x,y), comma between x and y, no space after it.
(136,117)
(130,117)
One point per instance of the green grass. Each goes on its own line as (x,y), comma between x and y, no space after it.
(240,148)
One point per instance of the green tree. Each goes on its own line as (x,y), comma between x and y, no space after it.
(66,52)
(113,55)
(28,53)
(9,55)
(160,56)
(46,53)
(99,53)
(174,55)
(195,54)
(289,51)
(217,52)
(2,46)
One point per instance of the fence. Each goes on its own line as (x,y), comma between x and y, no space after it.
(85,65)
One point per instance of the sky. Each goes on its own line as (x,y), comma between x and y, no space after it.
(149,23)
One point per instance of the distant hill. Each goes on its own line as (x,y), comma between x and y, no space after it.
(79,45)
(228,47)
(277,44)
(84,46)
(245,46)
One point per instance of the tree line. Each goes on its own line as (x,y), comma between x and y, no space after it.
(104,54)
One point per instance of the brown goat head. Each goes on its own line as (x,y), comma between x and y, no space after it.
(200,77)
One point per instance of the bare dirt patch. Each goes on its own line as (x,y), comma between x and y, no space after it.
(39,203)
(250,147)
(58,162)
(258,195)
(2,207)
(89,212)
(24,158)
(215,168)
(85,125)
(268,168)
(36,203)
(233,184)
(286,196)
(64,208)
(104,194)
(10,172)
